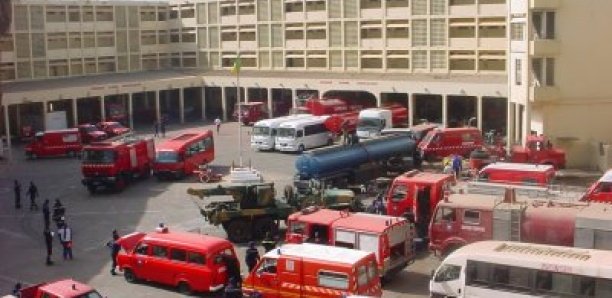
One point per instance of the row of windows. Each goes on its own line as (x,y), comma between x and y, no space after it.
(314,129)
(535,282)
(200,146)
(175,254)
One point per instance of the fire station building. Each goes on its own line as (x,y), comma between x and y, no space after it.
(513,66)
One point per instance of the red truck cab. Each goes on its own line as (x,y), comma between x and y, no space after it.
(183,154)
(440,143)
(189,261)
(115,162)
(91,133)
(112,128)
(65,288)
(54,143)
(517,173)
(601,190)
(250,112)
(538,150)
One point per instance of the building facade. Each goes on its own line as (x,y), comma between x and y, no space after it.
(446,60)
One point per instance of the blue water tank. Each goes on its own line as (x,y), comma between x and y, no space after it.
(325,161)
(395,145)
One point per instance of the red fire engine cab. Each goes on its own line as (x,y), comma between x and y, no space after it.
(539,150)
(601,190)
(116,162)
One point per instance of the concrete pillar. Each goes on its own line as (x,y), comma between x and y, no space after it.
(18,120)
(270,106)
(509,126)
(45,110)
(294,98)
(526,124)
(102,109)
(378,100)
(157,108)
(410,110)
(75,113)
(479,112)
(130,105)
(247,98)
(444,110)
(7,129)
(182,105)
(224,103)
(203,90)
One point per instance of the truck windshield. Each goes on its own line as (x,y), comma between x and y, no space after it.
(98,156)
(370,123)
(261,131)
(286,132)
(166,156)
(92,294)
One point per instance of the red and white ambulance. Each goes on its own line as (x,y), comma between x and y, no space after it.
(311,270)
(65,142)
(389,238)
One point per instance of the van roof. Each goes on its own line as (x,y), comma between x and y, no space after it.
(311,120)
(320,252)
(368,222)
(424,178)
(607,177)
(468,128)
(182,139)
(519,167)
(190,240)
(66,288)
(277,121)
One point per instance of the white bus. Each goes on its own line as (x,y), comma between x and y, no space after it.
(303,134)
(504,269)
(264,131)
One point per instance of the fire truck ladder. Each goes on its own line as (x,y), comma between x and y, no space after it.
(507,219)
(515,224)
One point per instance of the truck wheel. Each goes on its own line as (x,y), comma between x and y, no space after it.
(301,149)
(264,225)
(129,276)
(330,142)
(33,156)
(120,183)
(184,288)
(91,189)
(146,173)
(239,231)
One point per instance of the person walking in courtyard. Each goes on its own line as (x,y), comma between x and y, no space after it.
(457,165)
(65,238)
(252,256)
(17,189)
(46,214)
(115,247)
(49,244)
(218,124)
(162,126)
(33,193)
(155,129)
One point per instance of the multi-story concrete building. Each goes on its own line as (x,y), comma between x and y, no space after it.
(445,60)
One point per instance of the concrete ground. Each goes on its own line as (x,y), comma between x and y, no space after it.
(141,207)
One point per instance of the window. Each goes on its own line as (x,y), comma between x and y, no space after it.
(516,31)
(399,193)
(543,24)
(477,273)
(142,249)
(471,217)
(518,72)
(543,71)
(447,273)
(267,266)
(372,270)
(419,33)
(333,280)
(362,277)
(446,214)
(160,251)
(195,258)
(178,255)
(297,227)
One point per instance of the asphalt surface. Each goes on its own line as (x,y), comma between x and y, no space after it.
(141,207)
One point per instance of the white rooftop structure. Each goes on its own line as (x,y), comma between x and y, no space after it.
(319,252)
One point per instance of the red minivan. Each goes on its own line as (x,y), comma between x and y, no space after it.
(189,261)
(183,154)
(55,143)
(440,143)
(518,173)
(601,190)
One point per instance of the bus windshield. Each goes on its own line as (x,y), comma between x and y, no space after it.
(98,156)
(166,157)
(261,131)
(286,132)
(370,123)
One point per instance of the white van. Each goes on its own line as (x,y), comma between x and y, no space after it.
(264,131)
(372,121)
(303,134)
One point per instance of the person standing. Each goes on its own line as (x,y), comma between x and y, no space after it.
(49,244)
(345,134)
(218,124)
(46,214)
(162,126)
(457,165)
(252,256)
(155,129)
(33,193)
(115,247)
(268,242)
(65,237)
(17,189)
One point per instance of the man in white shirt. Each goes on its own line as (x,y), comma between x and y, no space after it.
(65,237)
(218,124)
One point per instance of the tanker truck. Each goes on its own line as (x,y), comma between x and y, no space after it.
(465,218)
(343,165)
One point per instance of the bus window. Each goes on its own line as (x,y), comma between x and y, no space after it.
(447,273)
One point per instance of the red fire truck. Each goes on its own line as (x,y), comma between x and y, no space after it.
(251,112)
(601,190)
(467,218)
(66,288)
(65,142)
(538,150)
(390,238)
(115,162)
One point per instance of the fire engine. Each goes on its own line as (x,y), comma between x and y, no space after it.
(539,150)
(467,218)
(389,237)
(115,162)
